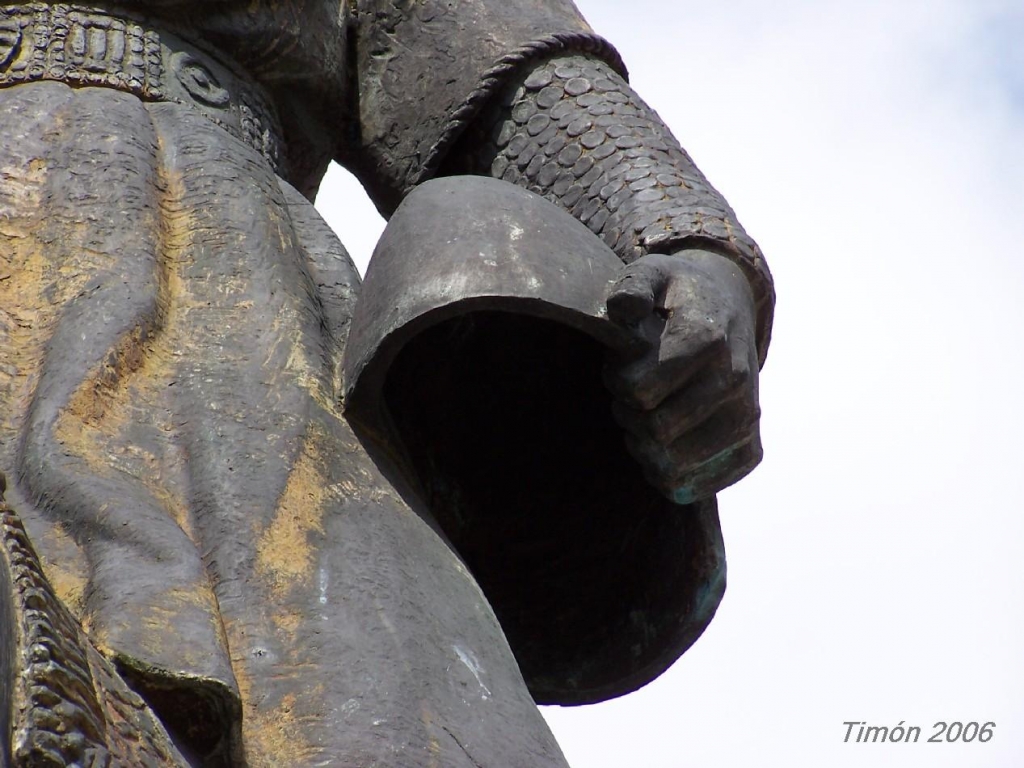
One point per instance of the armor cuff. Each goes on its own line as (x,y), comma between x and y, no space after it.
(571,129)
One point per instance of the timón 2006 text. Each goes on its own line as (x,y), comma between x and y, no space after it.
(860,732)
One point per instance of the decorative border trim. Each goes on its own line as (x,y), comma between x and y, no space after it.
(57,717)
(88,47)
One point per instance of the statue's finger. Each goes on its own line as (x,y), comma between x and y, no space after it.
(705,459)
(718,472)
(682,410)
(645,382)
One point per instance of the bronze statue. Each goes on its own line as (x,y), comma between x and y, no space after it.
(202,528)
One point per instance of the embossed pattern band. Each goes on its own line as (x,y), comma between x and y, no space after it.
(88,47)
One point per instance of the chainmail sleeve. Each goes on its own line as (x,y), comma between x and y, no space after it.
(571,129)
(422,71)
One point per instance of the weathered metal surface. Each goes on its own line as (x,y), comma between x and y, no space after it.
(575,132)
(63,704)
(211,533)
(460,245)
(474,366)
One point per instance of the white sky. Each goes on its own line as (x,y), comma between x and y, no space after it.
(876,559)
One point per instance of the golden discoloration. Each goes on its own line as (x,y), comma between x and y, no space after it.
(287,621)
(177,236)
(274,736)
(69,585)
(98,637)
(68,571)
(28,312)
(102,447)
(87,440)
(179,510)
(131,383)
(307,373)
(236,640)
(284,552)
(107,384)
(162,620)
(22,190)
(433,745)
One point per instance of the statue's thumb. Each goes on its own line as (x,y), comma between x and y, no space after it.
(632,296)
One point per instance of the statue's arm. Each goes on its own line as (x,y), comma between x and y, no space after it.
(571,129)
(523,90)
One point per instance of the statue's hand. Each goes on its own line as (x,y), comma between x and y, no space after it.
(689,402)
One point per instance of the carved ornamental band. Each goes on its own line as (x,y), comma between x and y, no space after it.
(87,47)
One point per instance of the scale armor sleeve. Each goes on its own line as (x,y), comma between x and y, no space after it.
(571,129)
